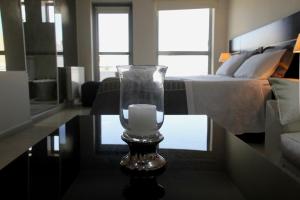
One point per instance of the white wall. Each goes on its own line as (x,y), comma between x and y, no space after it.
(247,15)
(145,29)
(144,32)
(84,36)
(14,100)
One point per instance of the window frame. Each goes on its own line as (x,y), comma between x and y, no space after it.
(97,53)
(59,53)
(190,53)
(47,5)
(51,143)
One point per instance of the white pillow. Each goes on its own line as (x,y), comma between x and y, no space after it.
(230,66)
(286,92)
(260,66)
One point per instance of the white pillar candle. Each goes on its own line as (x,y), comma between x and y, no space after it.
(142,119)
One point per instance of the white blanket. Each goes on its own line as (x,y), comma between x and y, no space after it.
(236,104)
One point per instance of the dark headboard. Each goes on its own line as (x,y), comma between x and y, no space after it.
(283,31)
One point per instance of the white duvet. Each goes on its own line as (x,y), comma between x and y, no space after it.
(236,104)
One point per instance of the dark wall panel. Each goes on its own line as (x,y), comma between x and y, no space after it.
(67,8)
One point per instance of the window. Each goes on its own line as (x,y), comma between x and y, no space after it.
(60,61)
(53,143)
(114,48)
(59,40)
(2,49)
(23,11)
(184,41)
(48,11)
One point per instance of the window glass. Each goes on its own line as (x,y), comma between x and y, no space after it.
(2,63)
(60,60)
(184,41)
(44,14)
(113,60)
(56,143)
(185,65)
(58,33)
(113,32)
(2,49)
(51,17)
(23,12)
(113,37)
(1,35)
(184,30)
(108,64)
(47,9)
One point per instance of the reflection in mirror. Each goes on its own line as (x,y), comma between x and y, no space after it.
(39,29)
(12,56)
(59,40)
(23,11)
(141,185)
(47,10)
(268,145)
(53,145)
(2,49)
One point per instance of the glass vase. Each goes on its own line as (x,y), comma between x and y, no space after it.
(141,115)
(142,99)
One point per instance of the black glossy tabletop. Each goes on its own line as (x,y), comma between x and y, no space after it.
(80,160)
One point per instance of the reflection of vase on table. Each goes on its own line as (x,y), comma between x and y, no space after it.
(143,187)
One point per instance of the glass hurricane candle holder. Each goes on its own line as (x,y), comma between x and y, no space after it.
(142,114)
(141,99)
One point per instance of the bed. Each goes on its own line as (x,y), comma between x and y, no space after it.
(238,104)
(220,97)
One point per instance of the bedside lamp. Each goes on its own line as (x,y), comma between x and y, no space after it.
(297,45)
(225,56)
(297,49)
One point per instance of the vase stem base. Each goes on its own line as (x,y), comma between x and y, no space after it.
(143,156)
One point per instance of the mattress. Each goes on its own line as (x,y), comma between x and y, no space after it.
(236,104)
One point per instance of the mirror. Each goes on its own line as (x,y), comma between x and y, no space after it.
(38,17)
(12,56)
(39,36)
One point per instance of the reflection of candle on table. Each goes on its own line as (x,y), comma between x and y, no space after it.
(142,119)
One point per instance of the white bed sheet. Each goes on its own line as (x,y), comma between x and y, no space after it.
(236,104)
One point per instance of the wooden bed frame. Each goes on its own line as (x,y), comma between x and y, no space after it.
(281,32)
